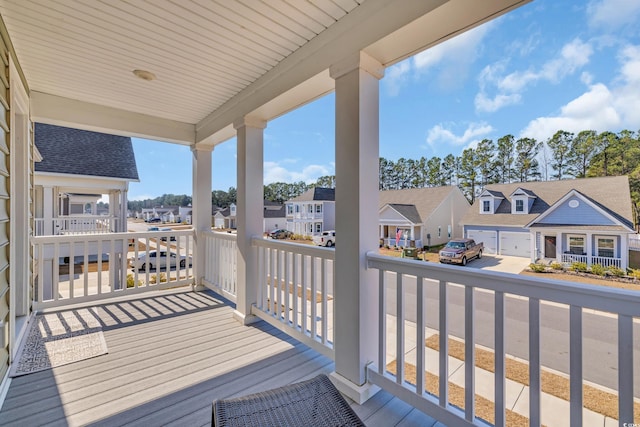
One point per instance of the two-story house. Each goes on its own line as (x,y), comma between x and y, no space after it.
(312,212)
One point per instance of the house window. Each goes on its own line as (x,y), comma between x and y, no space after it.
(606,247)
(486,206)
(576,245)
(439,231)
(310,208)
(520,205)
(318,227)
(318,208)
(290,209)
(297,208)
(448,231)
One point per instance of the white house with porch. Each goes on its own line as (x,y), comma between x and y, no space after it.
(578,220)
(73,170)
(199,74)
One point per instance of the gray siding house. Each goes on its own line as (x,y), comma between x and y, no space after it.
(587,220)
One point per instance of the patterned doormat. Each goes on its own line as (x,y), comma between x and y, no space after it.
(57,339)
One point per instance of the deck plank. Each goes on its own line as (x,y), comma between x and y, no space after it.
(170,356)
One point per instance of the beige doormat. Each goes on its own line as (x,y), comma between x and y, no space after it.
(57,339)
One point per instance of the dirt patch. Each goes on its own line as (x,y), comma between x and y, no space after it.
(581,278)
(594,399)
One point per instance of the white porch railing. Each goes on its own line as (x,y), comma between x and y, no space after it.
(634,242)
(220,270)
(606,261)
(78,268)
(571,258)
(443,280)
(85,224)
(295,291)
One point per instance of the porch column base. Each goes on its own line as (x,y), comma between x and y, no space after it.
(357,393)
(245,319)
(199,287)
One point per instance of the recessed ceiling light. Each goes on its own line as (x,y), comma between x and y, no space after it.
(144,75)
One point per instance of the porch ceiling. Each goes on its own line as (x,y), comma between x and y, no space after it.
(214,61)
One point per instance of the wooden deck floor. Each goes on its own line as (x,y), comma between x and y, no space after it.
(170,355)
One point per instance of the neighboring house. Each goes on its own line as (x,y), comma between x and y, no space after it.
(421,216)
(274,216)
(74,168)
(312,212)
(588,220)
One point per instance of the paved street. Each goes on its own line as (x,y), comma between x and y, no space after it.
(599,330)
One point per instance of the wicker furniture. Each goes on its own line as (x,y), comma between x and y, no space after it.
(315,402)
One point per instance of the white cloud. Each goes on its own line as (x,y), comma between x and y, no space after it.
(601,107)
(275,172)
(454,56)
(441,134)
(609,14)
(509,88)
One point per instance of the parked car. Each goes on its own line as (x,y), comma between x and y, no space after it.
(153,229)
(459,251)
(150,220)
(327,238)
(164,238)
(280,234)
(154,259)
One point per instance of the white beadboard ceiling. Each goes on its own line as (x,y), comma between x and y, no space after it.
(215,60)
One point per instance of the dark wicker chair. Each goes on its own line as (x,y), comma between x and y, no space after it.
(315,402)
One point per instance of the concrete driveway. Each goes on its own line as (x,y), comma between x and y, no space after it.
(506,264)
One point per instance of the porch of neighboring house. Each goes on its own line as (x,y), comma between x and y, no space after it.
(590,248)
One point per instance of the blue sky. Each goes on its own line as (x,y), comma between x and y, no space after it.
(549,65)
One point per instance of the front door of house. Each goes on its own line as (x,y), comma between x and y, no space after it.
(549,246)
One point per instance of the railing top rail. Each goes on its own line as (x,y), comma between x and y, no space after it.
(221,234)
(299,248)
(612,300)
(108,236)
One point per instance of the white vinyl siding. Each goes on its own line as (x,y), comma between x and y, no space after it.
(5,208)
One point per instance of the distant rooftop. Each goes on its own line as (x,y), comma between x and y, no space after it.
(80,152)
(316,194)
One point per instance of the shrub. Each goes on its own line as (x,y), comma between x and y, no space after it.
(130,281)
(158,278)
(580,267)
(615,271)
(557,265)
(537,268)
(634,273)
(598,269)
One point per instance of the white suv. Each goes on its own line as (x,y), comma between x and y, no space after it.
(327,238)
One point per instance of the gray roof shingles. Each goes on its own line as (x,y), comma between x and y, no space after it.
(408,211)
(80,152)
(316,194)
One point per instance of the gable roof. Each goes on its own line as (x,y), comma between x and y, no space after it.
(408,211)
(316,194)
(425,200)
(80,152)
(611,193)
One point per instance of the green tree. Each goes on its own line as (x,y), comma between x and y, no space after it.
(583,148)
(434,172)
(505,158)
(468,173)
(485,153)
(526,165)
(449,169)
(560,145)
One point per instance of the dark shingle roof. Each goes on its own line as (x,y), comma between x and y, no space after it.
(80,152)
(316,194)
(408,211)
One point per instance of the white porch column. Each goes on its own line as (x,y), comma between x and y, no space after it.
(624,251)
(589,248)
(249,212)
(123,210)
(559,246)
(357,153)
(48,207)
(201,207)
(536,252)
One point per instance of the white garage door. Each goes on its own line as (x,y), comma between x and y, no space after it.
(486,237)
(515,244)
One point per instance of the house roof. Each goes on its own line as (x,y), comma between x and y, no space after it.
(274,212)
(609,193)
(425,200)
(80,152)
(408,211)
(316,194)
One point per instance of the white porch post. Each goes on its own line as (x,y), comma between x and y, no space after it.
(249,212)
(357,153)
(589,248)
(535,250)
(624,251)
(48,207)
(123,210)
(559,245)
(201,207)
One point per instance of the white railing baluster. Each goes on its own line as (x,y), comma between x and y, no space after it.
(85,268)
(575,364)
(55,289)
(314,304)
(324,306)
(469,354)
(303,284)
(399,329)
(278,299)
(534,363)
(287,292)
(625,368)
(443,389)
(382,323)
(500,383)
(71,265)
(296,308)
(420,336)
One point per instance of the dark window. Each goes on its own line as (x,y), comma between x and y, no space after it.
(519,205)
(486,206)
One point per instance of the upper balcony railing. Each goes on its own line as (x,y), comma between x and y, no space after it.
(82,224)
(71,268)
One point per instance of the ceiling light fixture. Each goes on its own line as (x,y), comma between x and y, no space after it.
(144,75)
